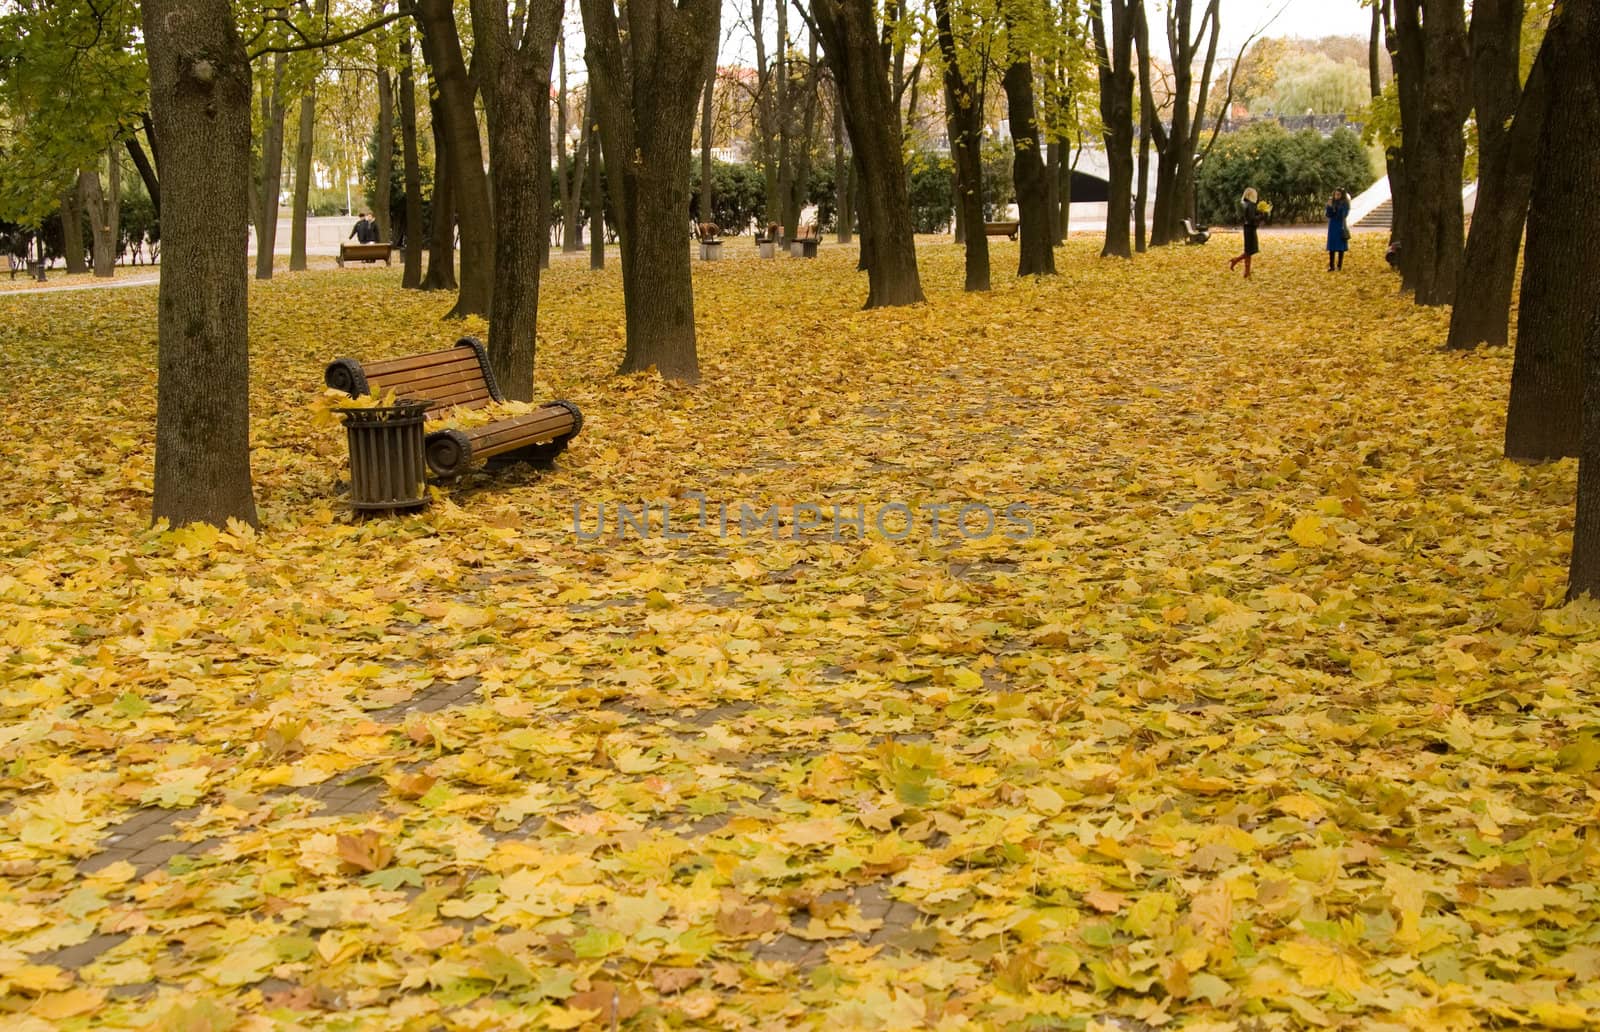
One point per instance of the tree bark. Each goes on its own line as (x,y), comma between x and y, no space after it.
(1147,116)
(515,78)
(849,31)
(572,232)
(104,210)
(645,88)
(1559,302)
(1582,100)
(707,212)
(1509,117)
(1027,160)
(1432,111)
(200,101)
(302,180)
(441,48)
(147,172)
(1115,58)
(1177,146)
(597,206)
(442,211)
(841,170)
(411,274)
(966,137)
(272,113)
(72,229)
(383,179)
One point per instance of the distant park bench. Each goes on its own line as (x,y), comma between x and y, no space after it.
(1193,234)
(805,244)
(363,253)
(1005,229)
(460,378)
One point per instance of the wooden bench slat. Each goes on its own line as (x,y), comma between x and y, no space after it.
(449,356)
(528,430)
(419,386)
(443,403)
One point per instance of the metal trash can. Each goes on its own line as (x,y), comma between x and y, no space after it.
(388,469)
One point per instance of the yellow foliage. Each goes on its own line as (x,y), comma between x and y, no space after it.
(1275,717)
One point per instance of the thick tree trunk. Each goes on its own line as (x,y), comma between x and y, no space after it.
(850,35)
(271,183)
(441,48)
(1052,190)
(383,180)
(1147,118)
(411,274)
(1559,302)
(1116,112)
(1027,162)
(644,93)
(442,211)
(200,99)
(1582,99)
(516,92)
(1509,117)
(1177,145)
(1435,57)
(302,180)
(966,137)
(72,230)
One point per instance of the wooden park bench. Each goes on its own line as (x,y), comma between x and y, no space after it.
(363,253)
(1193,234)
(460,378)
(1005,229)
(805,244)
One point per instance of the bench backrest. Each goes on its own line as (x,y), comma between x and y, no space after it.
(457,377)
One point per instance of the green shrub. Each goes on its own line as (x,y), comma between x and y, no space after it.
(1294,172)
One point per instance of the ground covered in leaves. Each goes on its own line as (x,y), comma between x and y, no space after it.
(1262,710)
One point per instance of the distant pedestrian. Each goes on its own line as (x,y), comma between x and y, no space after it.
(366,230)
(1249,217)
(1338,212)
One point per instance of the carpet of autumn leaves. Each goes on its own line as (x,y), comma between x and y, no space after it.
(1278,720)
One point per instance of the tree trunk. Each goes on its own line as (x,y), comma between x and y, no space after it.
(645,89)
(1052,189)
(1116,112)
(1027,161)
(72,229)
(200,100)
(799,194)
(302,180)
(597,206)
(1582,100)
(442,212)
(1561,267)
(572,232)
(515,77)
(441,48)
(841,170)
(411,274)
(1509,117)
(383,180)
(147,172)
(785,116)
(1147,117)
(966,137)
(850,35)
(1435,57)
(1177,145)
(272,112)
(707,212)
(104,210)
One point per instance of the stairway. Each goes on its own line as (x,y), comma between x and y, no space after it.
(1381,217)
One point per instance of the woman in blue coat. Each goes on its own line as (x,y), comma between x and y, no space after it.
(1337,211)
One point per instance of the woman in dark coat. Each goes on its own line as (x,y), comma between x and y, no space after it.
(1249,218)
(1337,210)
